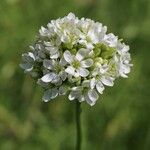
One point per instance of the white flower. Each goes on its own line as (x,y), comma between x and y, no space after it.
(99,86)
(101,78)
(122,48)
(78,57)
(28,60)
(78,93)
(122,62)
(44,32)
(57,73)
(111,39)
(54,92)
(54,53)
(92,32)
(78,63)
(84,93)
(91,97)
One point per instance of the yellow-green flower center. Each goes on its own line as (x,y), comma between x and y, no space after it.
(76,64)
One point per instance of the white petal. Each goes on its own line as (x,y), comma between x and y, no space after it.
(93,36)
(27,67)
(68,57)
(56,79)
(87,63)
(81,98)
(50,94)
(82,53)
(89,46)
(71,16)
(100,87)
(31,48)
(122,73)
(77,88)
(64,38)
(45,71)
(125,68)
(76,75)
(125,48)
(54,93)
(41,54)
(70,70)
(92,83)
(27,58)
(63,61)
(111,39)
(47,96)
(31,55)
(107,81)
(48,44)
(88,100)
(63,90)
(52,50)
(122,48)
(93,96)
(63,75)
(71,96)
(95,71)
(48,64)
(83,72)
(48,77)
(43,31)
(86,83)
(41,83)
(75,93)
(104,69)
(55,56)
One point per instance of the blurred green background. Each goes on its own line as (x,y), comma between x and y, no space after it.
(120,120)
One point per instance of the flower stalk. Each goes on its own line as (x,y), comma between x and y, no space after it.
(78,125)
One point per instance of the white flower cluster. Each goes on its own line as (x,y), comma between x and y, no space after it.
(76,56)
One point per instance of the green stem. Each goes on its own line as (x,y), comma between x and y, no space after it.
(78,125)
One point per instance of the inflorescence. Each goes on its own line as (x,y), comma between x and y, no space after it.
(76,57)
